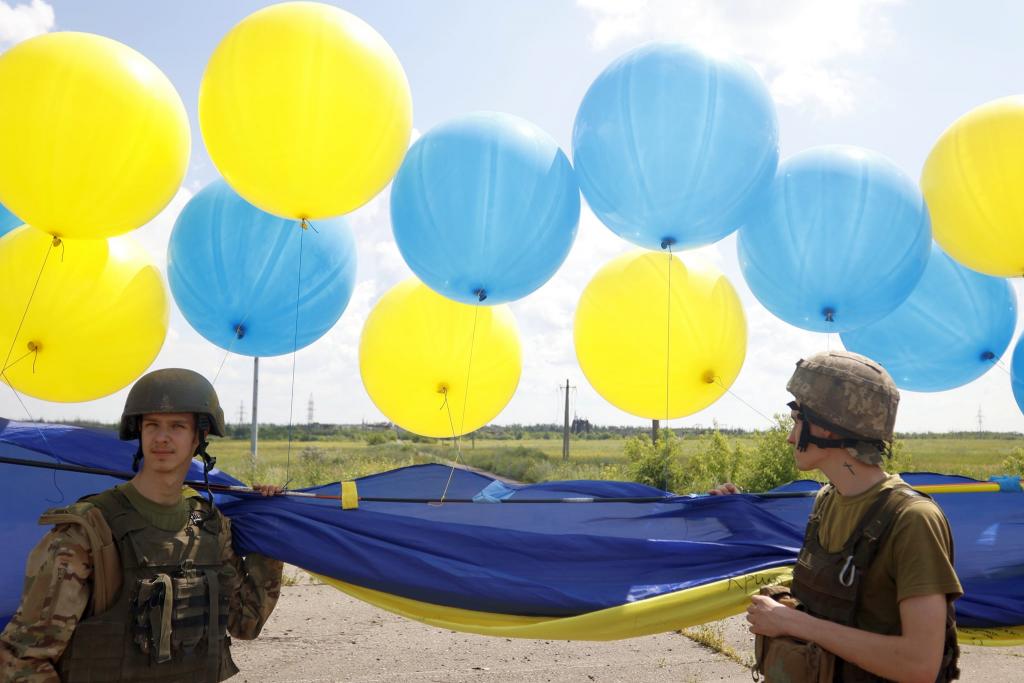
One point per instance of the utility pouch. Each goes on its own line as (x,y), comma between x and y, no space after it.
(788,660)
(152,610)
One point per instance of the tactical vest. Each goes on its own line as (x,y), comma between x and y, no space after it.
(169,620)
(829,584)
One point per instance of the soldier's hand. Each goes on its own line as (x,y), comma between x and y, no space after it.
(726,489)
(768,617)
(268,489)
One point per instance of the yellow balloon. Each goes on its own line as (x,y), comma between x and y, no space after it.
(97,319)
(972,183)
(305,110)
(630,340)
(415,359)
(94,140)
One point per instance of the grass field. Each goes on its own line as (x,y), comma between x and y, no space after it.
(316,462)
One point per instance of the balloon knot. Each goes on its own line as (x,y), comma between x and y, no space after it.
(830,314)
(34,346)
(442,389)
(667,242)
(239,331)
(56,241)
(480,294)
(709,377)
(987,355)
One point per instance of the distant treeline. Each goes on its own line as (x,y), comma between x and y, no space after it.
(581,429)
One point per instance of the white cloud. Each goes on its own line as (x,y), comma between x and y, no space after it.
(21,21)
(801,47)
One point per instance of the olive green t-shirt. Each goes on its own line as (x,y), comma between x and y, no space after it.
(166,517)
(914,558)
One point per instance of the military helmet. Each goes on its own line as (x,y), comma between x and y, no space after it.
(173,390)
(846,393)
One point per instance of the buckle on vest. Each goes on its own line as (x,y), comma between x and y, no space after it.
(848,573)
(187,568)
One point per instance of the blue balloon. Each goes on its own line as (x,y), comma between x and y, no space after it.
(8,221)
(841,241)
(234,273)
(952,328)
(485,208)
(1017,373)
(675,147)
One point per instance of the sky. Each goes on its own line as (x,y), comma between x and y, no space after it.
(881,74)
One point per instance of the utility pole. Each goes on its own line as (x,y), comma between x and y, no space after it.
(565,426)
(309,411)
(241,413)
(981,421)
(654,432)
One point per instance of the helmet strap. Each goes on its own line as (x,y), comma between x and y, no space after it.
(208,460)
(137,458)
(821,442)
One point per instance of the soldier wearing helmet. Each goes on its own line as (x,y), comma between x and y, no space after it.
(140,582)
(874,583)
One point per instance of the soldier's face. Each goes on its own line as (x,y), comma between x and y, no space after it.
(811,458)
(168,441)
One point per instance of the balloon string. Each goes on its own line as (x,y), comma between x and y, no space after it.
(39,429)
(53,243)
(458,448)
(457,437)
(295,352)
(668,334)
(999,364)
(718,381)
(21,358)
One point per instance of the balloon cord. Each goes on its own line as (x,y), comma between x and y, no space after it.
(53,243)
(718,381)
(42,435)
(457,437)
(295,350)
(668,332)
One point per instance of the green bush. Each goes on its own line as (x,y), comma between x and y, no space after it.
(657,464)
(771,463)
(378,438)
(1014,463)
(714,461)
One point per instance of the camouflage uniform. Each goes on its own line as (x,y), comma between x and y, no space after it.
(58,586)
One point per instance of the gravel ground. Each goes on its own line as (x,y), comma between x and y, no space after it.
(318,634)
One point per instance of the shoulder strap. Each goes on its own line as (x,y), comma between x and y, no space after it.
(106,562)
(874,526)
(811,530)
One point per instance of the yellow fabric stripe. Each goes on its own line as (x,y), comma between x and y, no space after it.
(349,495)
(660,614)
(654,615)
(980,487)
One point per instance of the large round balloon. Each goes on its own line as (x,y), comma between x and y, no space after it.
(235,274)
(646,319)
(438,367)
(950,330)
(94,140)
(972,182)
(485,208)
(8,221)
(97,319)
(1017,373)
(673,146)
(305,110)
(841,241)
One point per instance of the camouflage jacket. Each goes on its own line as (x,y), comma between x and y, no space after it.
(58,583)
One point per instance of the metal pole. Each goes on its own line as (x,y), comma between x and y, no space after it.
(254,432)
(654,432)
(565,428)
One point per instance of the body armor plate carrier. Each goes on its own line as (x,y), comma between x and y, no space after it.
(829,585)
(169,621)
